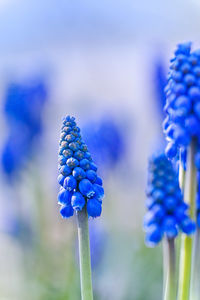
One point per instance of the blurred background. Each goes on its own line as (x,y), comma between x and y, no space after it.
(104,62)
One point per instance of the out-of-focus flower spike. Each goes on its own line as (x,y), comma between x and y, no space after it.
(23,109)
(167,213)
(182,123)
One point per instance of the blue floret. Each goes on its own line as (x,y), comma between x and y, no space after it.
(66,211)
(64,197)
(70,183)
(86,188)
(94,207)
(78,201)
(154,235)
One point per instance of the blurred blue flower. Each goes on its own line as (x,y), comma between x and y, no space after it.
(80,184)
(24,105)
(167,212)
(182,123)
(23,109)
(159,82)
(106,140)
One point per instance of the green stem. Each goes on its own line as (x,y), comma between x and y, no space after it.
(181,177)
(187,241)
(185,268)
(165,264)
(170,288)
(84,255)
(195,286)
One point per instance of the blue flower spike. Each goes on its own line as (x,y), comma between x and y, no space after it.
(81,186)
(23,107)
(182,122)
(182,130)
(167,212)
(81,192)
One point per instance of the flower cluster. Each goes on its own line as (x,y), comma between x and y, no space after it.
(78,178)
(183,100)
(167,212)
(24,107)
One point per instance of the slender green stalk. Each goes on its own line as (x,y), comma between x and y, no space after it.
(84,255)
(185,268)
(195,277)
(181,177)
(165,266)
(187,241)
(170,288)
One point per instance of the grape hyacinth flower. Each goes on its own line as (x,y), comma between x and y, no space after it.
(80,184)
(182,130)
(81,191)
(182,122)
(23,108)
(167,214)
